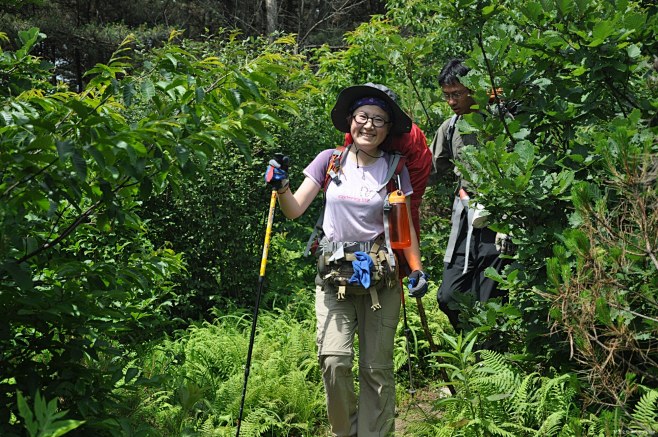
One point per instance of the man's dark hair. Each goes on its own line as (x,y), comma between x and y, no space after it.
(452,71)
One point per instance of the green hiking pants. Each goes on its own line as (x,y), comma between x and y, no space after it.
(373,413)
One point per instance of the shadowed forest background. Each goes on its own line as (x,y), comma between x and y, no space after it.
(133,141)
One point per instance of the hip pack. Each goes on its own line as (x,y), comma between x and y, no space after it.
(336,268)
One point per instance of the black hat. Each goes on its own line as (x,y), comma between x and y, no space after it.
(340,113)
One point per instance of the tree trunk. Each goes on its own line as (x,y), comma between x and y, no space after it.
(272,13)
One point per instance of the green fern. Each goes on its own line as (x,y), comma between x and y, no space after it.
(523,404)
(553,395)
(259,421)
(494,397)
(552,424)
(205,369)
(645,414)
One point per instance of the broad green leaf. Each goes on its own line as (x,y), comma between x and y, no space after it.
(233,97)
(79,164)
(249,85)
(79,107)
(26,412)
(633,51)
(202,158)
(128,93)
(6,117)
(172,59)
(199,94)
(97,155)
(565,6)
(21,274)
(147,89)
(521,134)
(526,151)
(542,82)
(131,373)
(603,29)
(62,427)
(29,38)
(139,148)
(488,10)
(490,272)
(65,149)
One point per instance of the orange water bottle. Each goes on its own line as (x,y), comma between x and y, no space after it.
(398,221)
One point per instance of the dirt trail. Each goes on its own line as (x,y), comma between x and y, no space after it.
(418,409)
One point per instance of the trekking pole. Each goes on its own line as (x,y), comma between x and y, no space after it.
(407,332)
(261,280)
(433,347)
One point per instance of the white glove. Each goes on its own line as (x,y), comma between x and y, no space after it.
(504,244)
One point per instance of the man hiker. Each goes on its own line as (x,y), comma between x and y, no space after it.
(472,247)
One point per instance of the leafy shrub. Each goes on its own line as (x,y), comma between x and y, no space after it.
(81,283)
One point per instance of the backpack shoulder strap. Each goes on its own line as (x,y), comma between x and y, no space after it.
(450,133)
(395,165)
(333,167)
(332,174)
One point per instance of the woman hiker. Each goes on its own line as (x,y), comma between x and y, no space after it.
(357,287)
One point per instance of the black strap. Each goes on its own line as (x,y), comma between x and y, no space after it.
(450,134)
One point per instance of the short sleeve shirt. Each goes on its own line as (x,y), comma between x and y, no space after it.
(354,209)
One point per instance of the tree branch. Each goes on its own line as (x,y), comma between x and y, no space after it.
(70,228)
(343,8)
(501,112)
(28,178)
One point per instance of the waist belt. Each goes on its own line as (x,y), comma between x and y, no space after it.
(331,247)
(334,251)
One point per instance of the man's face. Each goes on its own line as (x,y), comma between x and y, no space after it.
(458,97)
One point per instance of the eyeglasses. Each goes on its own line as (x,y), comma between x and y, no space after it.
(454,95)
(362,118)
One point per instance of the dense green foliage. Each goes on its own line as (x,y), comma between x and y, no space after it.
(84,33)
(204,379)
(132,217)
(82,284)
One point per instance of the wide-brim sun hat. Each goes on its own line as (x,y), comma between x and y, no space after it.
(340,113)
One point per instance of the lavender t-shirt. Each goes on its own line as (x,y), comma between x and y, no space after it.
(354,209)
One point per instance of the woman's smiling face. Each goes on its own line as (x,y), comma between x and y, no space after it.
(366,135)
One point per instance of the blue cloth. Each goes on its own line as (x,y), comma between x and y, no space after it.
(362,266)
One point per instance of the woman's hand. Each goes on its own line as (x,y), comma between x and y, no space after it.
(417,283)
(277,172)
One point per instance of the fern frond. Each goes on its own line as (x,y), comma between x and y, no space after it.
(522,402)
(258,422)
(645,413)
(552,424)
(494,360)
(552,396)
(494,429)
